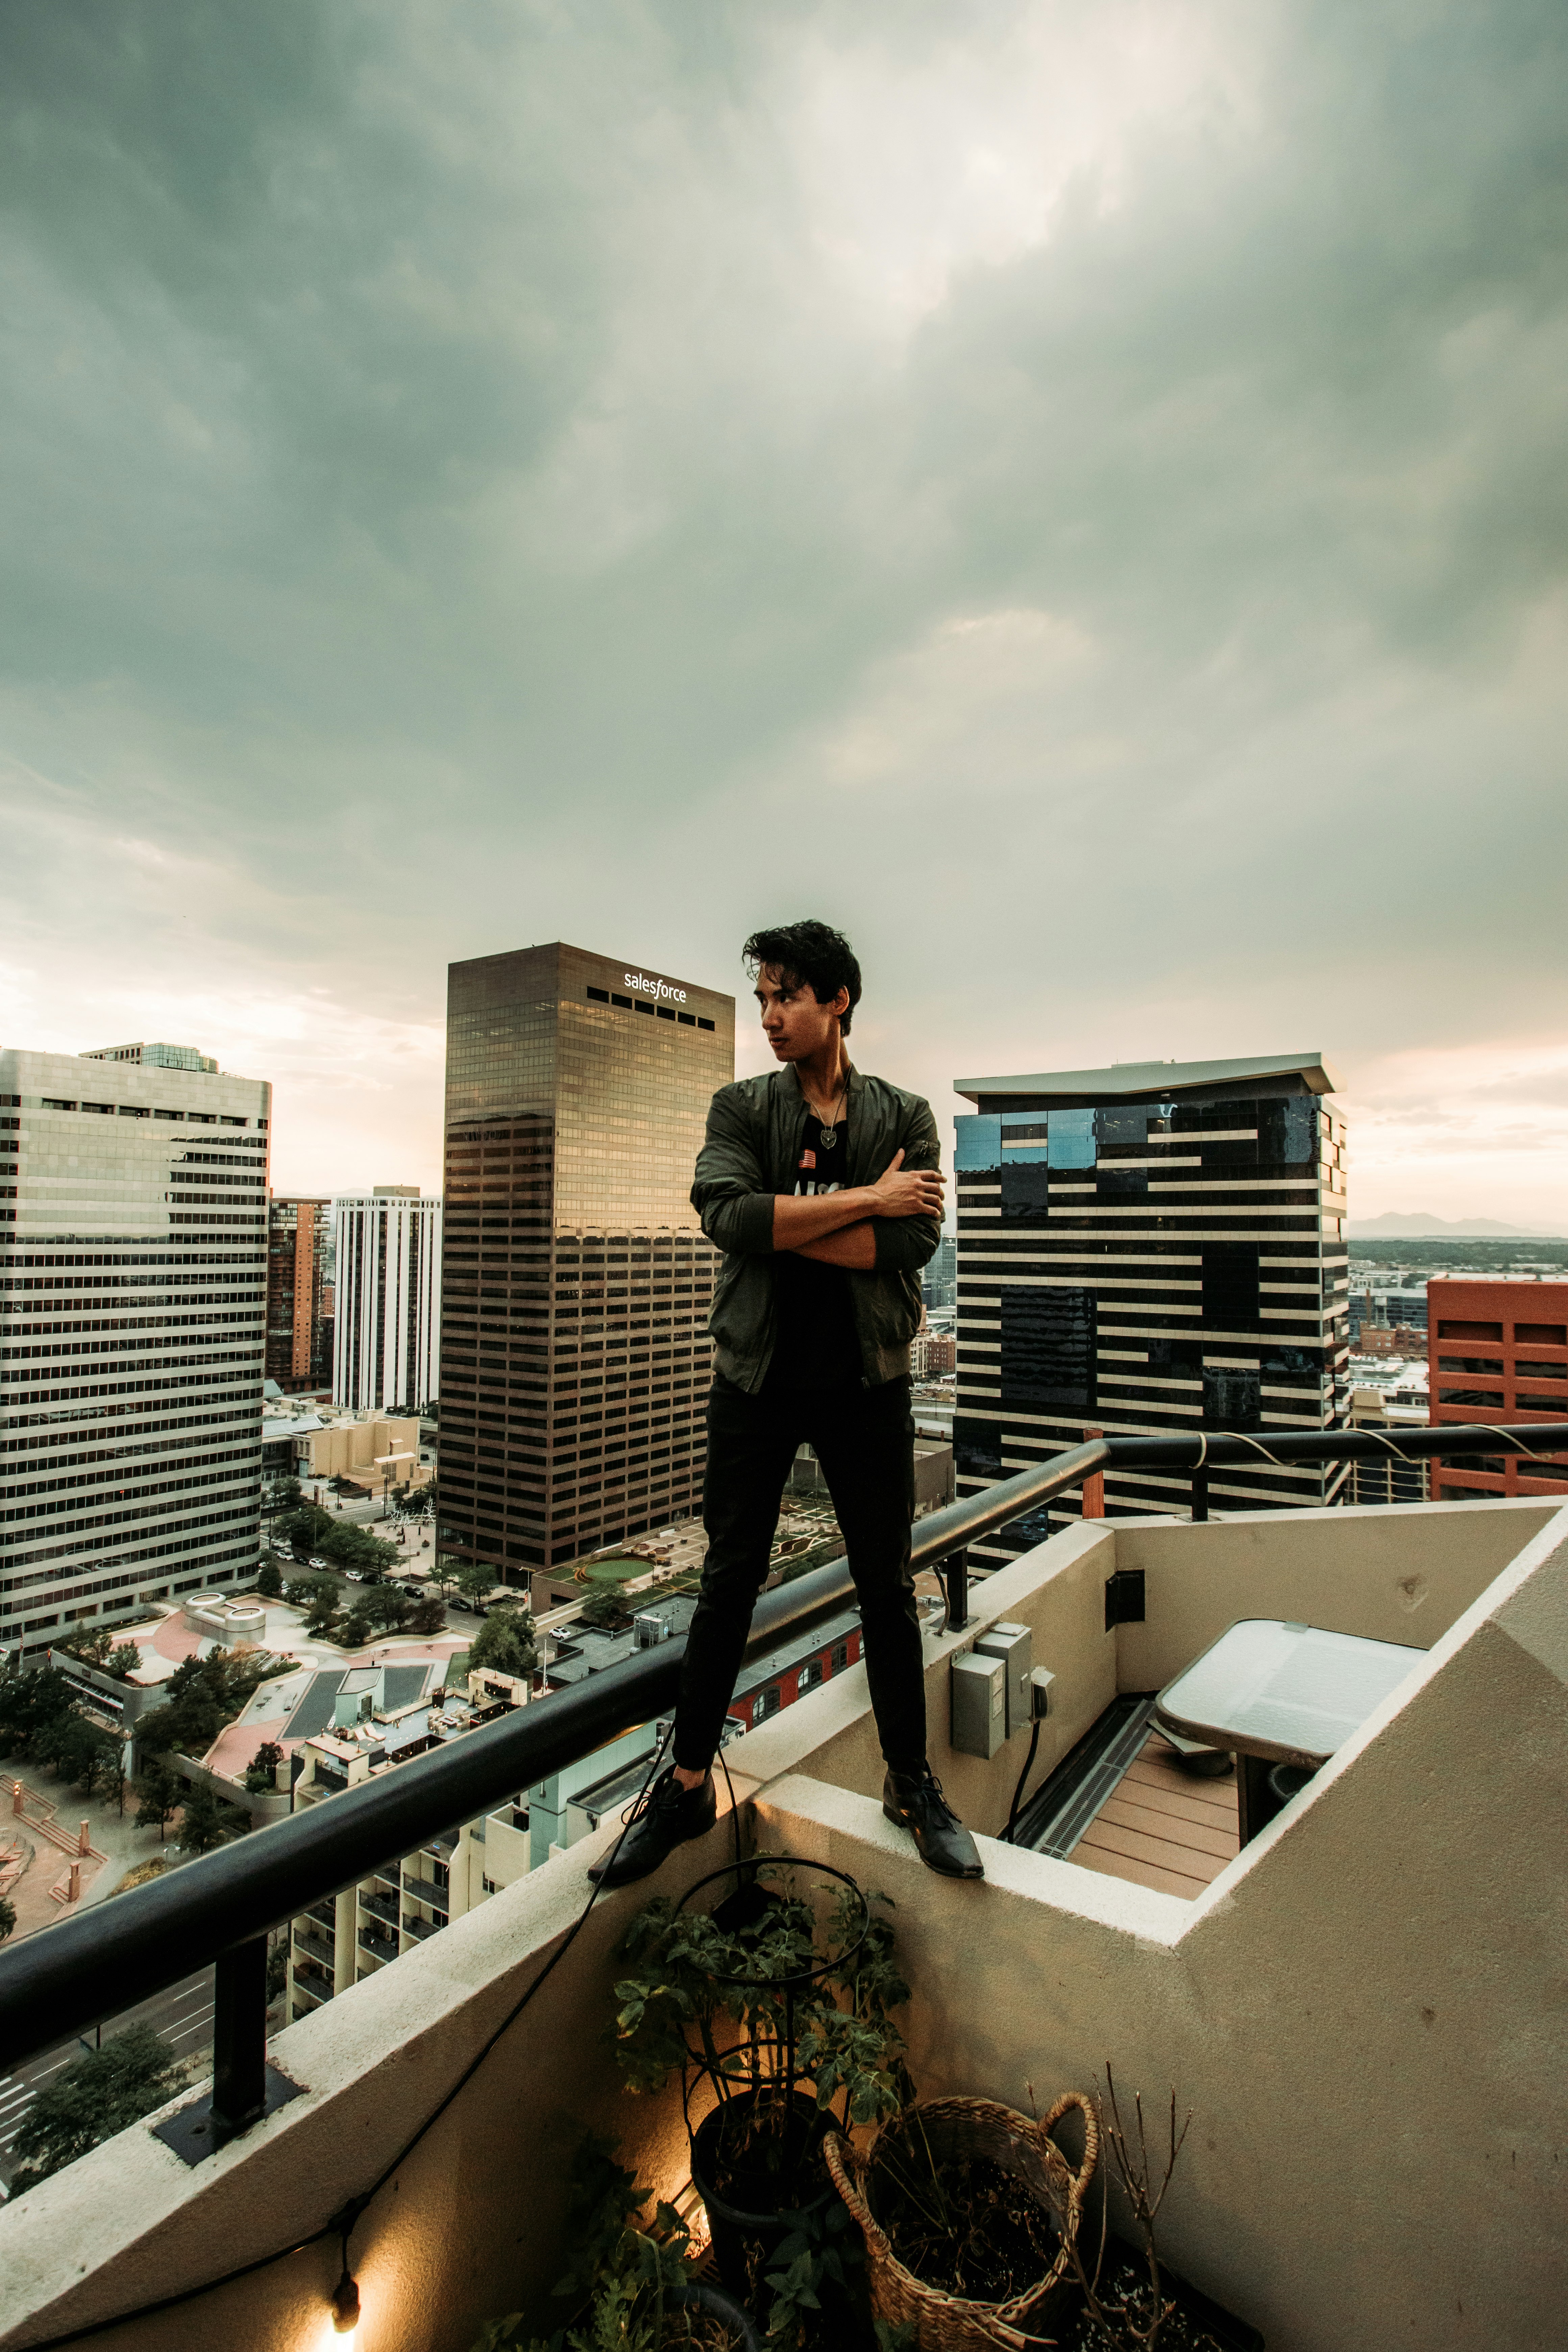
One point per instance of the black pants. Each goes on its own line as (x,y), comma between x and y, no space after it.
(864,1439)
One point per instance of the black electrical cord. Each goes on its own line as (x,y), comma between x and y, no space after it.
(734,1808)
(1006,1838)
(346,2220)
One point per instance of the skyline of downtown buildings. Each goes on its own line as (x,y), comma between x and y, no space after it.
(1156,1250)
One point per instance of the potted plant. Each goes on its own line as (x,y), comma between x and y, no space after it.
(971,2217)
(775,2008)
(633,2289)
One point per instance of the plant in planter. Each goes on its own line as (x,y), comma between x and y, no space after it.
(775,2008)
(968,2211)
(626,2289)
(971,2215)
(1128,2299)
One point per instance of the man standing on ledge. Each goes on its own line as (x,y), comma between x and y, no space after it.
(823,1190)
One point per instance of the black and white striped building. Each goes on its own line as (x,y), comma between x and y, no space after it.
(1154,1247)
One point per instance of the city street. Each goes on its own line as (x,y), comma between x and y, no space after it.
(183,2015)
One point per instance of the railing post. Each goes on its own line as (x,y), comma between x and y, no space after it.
(1091,1504)
(239,2039)
(1200,1493)
(955,1578)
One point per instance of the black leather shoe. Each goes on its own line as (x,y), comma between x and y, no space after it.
(918,1805)
(658,1822)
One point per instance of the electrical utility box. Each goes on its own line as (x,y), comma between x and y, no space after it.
(979,1704)
(1013,1646)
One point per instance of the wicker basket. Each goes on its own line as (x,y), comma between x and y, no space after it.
(970,2128)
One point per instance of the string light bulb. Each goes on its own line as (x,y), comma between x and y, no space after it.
(345,2304)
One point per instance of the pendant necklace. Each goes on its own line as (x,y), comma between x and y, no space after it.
(829,1129)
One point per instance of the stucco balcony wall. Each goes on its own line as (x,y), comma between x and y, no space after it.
(1365,2010)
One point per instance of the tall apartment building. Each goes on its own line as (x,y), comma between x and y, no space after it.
(1498,1351)
(575,1281)
(1148,1248)
(299,1331)
(386,1317)
(133,1265)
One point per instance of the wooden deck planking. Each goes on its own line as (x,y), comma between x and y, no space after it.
(1142,1874)
(1160,1829)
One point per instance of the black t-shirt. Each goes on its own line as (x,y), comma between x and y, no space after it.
(816,1344)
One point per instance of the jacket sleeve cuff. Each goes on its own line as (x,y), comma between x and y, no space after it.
(754,1223)
(904,1244)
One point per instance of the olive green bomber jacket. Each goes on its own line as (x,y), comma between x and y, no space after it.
(751,1151)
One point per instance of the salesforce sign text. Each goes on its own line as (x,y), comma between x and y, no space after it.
(655,987)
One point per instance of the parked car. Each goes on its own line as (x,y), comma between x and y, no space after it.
(322,1563)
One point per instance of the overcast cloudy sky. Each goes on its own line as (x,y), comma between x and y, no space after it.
(1071,490)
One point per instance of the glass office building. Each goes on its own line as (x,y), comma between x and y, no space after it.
(1150,1248)
(133,1265)
(576,1279)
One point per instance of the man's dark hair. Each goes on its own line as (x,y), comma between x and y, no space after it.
(808,955)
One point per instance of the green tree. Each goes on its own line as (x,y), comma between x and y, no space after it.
(310,1593)
(446,1571)
(261,1772)
(102,1651)
(8,1917)
(92,1648)
(285,1495)
(474,1580)
(28,1702)
(304,1529)
(370,1556)
(92,2098)
(417,1501)
(77,1748)
(112,1775)
(269,1579)
(206,1823)
(428,1616)
(357,1629)
(604,1607)
(159,1791)
(388,1607)
(505,1642)
(203,1694)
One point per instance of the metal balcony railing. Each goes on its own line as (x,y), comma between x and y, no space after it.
(218,1908)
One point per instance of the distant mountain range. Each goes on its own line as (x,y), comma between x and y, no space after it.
(1396,1226)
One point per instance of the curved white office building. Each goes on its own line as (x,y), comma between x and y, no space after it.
(388,1299)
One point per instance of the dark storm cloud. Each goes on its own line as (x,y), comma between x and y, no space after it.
(1103,464)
